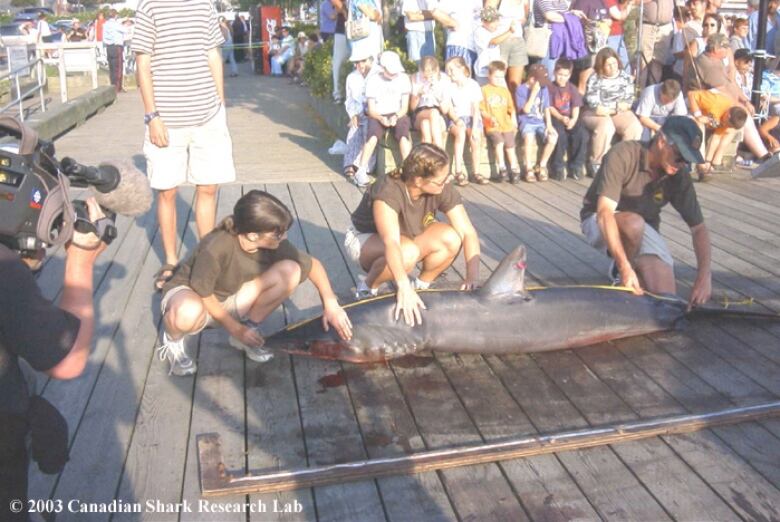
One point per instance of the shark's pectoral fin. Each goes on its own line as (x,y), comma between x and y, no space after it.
(509,278)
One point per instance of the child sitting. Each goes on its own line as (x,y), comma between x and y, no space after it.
(500,121)
(533,100)
(718,113)
(430,101)
(355,104)
(464,119)
(573,138)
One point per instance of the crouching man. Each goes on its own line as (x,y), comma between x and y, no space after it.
(621,211)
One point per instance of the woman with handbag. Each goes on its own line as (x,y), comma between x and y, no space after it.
(364,26)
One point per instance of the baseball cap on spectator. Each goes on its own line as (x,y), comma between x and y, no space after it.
(489,14)
(302,35)
(539,72)
(684,134)
(360,53)
(391,62)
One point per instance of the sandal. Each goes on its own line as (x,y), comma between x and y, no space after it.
(461,179)
(163,275)
(479,179)
(541,173)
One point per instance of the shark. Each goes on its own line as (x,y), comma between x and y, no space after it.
(501,317)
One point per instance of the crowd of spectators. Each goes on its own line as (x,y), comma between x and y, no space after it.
(577,96)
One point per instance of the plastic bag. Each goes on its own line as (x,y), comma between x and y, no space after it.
(339,148)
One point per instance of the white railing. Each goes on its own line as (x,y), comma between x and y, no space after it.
(17,67)
(70,57)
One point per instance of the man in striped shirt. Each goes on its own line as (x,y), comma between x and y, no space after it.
(179,64)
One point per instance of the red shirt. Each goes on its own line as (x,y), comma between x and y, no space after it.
(617,25)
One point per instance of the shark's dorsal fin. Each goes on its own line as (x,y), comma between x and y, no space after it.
(509,278)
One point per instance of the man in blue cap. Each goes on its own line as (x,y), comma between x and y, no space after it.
(621,211)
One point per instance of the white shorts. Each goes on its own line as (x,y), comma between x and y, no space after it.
(354,241)
(201,155)
(652,242)
(229,305)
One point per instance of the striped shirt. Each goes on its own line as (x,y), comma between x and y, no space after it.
(178,34)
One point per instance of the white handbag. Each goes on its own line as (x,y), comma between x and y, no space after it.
(357,29)
(537,41)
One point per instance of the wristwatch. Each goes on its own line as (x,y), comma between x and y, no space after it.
(150,116)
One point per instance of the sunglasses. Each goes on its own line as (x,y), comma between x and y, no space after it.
(442,182)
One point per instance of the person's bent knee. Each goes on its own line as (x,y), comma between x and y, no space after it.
(451,240)
(288,272)
(410,254)
(186,315)
(631,224)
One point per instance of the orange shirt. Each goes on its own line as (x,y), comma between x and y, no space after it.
(497,105)
(714,105)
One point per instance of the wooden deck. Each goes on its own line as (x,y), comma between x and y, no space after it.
(133,426)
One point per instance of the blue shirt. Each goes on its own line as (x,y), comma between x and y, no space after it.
(540,104)
(771,31)
(113,32)
(327,25)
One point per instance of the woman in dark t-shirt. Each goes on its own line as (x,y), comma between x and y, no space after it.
(238,274)
(395,227)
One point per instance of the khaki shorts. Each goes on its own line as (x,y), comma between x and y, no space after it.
(201,155)
(229,305)
(656,42)
(652,242)
(354,242)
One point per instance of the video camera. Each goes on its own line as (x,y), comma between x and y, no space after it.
(35,206)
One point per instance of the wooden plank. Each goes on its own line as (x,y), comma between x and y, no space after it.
(331,430)
(110,300)
(612,489)
(681,492)
(651,397)
(218,404)
(543,485)
(155,460)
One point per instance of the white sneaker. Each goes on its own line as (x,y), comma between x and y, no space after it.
(419,284)
(364,292)
(255,353)
(361,178)
(174,351)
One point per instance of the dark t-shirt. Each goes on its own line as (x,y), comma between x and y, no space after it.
(413,216)
(564,99)
(31,327)
(219,266)
(341,22)
(593,9)
(625,177)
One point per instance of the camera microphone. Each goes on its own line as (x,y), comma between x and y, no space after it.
(116,185)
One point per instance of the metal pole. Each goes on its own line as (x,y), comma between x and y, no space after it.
(760,51)
(216,479)
(639,35)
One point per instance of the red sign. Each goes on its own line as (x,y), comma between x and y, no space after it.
(270,21)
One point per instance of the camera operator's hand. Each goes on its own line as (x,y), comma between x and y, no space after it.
(158,132)
(88,242)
